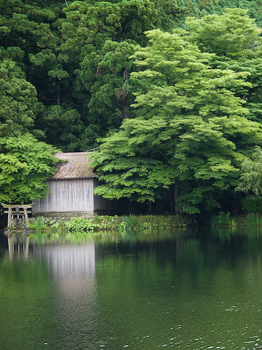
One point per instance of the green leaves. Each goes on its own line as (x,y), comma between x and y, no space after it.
(64,128)
(250,181)
(190,131)
(25,164)
(185,98)
(18,102)
(233,34)
(77,225)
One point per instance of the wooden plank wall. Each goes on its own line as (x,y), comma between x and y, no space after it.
(66,196)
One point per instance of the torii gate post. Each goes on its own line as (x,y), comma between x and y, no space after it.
(17,210)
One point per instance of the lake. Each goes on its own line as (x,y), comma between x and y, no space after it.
(161,290)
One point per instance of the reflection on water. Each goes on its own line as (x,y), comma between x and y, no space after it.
(18,245)
(175,290)
(73,271)
(56,285)
(69,261)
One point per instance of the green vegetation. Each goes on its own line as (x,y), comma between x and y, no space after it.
(253,219)
(191,131)
(226,220)
(80,225)
(105,223)
(25,165)
(223,220)
(169,89)
(251,174)
(104,229)
(252,204)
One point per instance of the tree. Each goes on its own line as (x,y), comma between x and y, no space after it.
(25,165)
(190,134)
(18,101)
(235,39)
(75,54)
(232,34)
(64,128)
(98,37)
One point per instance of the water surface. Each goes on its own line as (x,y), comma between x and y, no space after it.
(200,290)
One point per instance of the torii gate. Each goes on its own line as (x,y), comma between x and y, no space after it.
(17,211)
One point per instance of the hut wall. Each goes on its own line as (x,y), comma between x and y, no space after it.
(67,196)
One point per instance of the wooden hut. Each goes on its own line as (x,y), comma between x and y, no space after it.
(72,190)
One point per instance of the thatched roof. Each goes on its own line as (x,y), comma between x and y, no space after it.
(76,166)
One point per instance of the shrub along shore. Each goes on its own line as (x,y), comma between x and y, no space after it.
(104,223)
(142,222)
(135,223)
(245,220)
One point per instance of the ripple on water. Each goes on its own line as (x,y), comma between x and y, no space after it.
(179,295)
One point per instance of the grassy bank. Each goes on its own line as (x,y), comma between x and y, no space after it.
(106,223)
(136,223)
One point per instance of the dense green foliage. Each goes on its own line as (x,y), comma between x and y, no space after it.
(250,182)
(69,61)
(173,87)
(18,100)
(191,132)
(252,204)
(123,224)
(25,164)
(251,174)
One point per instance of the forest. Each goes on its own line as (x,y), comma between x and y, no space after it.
(167,92)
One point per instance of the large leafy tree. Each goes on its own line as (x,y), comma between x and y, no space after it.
(75,54)
(28,51)
(190,134)
(232,34)
(25,165)
(98,37)
(235,39)
(29,27)
(18,100)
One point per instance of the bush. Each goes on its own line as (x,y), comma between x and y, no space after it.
(223,220)
(80,225)
(127,223)
(37,224)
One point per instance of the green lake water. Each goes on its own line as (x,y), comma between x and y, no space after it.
(179,290)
